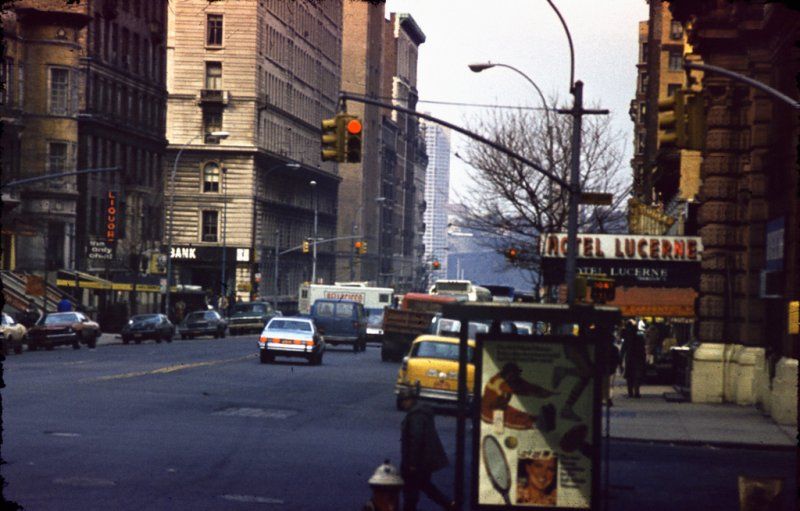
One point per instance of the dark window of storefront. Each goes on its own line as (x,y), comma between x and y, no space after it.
(210,226)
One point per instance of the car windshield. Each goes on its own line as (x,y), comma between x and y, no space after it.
(452,328)
(54,319)
(375,320)
(250,308)
(441,350)
(144,317)
(195,316)
(287,324)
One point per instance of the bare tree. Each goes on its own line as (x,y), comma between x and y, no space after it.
(513,203)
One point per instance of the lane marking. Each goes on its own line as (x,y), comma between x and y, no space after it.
(252,498)
(168,369)
(264,413)
(85,482)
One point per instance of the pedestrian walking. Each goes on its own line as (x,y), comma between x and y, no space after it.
(31,314)
(422,452)
(64,305)
(634,355)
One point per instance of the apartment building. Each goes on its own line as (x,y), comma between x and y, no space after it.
(666,181)
(262,75)
(359,192)
(402,182)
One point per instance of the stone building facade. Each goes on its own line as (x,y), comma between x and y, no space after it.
(749,216)
(265,73)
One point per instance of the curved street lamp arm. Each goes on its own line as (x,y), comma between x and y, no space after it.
(571,48)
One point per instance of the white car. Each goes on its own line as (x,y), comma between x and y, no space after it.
(291,337)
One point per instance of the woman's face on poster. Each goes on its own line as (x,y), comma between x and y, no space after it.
(541,472)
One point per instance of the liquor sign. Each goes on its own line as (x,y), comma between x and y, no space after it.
(537,427)
(111,223)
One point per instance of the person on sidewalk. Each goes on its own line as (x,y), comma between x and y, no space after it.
(633,352)
(422,452)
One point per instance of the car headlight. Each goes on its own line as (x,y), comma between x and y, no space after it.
(130,321)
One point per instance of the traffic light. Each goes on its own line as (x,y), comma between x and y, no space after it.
(436,264)
(332,139)
(305,246)
(602,289)
(357,247)
(695,121)
(672,121)
(512,254)
(352,137)
(363,248)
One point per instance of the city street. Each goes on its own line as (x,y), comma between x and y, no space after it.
(203,425)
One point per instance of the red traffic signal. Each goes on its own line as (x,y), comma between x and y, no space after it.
(354,126)
(436,265)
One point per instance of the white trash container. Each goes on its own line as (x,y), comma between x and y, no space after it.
(784,392)
(745,378)
(707,373)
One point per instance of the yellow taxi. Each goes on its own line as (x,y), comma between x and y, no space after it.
(433,362)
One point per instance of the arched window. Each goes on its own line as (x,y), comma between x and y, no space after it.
(211,177)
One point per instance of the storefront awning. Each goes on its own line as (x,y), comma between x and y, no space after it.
(69,278)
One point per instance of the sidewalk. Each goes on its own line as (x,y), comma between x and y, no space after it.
(653,418)
(106,339)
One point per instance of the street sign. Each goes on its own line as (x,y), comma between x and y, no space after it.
(596,199)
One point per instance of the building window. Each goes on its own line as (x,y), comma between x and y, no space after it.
(59,91)
(56,157)
(214,75)
(211,177)
(214,30)
(643,57)
(7,78)
(643,83)
(675,30)
(675,61)
(640,141)
(135,53)
(114,42)
(642,111)
(126,57)
(210,226)
(21,86)
(212,121)
(672,88)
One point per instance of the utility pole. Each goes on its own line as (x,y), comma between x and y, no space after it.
(275,283)
(314,249)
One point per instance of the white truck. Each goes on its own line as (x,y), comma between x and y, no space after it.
(374,299)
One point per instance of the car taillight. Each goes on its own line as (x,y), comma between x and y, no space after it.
(262,339)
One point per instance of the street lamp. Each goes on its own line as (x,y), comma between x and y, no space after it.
(218,134)
(223,288)
(480,66)
(314,250)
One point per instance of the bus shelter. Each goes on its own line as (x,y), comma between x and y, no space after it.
(536,404)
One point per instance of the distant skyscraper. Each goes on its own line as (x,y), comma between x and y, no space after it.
(437,193)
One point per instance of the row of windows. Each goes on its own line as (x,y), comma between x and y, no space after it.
(277,137)
(128,50)
(12,83)
(147,9)
(282,50)
(285,96)
(126,103)
(140,165)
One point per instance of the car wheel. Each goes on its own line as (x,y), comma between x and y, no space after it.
(356,347)
(183,337)
(266,357)
(168,337)
(125,339)
(18,347)
(93,341)
(76,345)
(235,332)
(222,333)
(384,354)
(399,403)
(137,341)
(48,346)
(158,339)
(33,346)
(191,336)
(316,359)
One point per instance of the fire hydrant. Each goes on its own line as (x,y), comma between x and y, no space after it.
(386,484)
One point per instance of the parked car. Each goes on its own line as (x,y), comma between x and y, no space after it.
(63,328)
(292,337)
(341,322)
(250,317)
(433,362)
(14,334)
(148,326)
(203,322)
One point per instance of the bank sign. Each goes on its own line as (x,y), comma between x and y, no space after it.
(631,259)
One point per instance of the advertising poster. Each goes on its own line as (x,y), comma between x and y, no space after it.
(536,423)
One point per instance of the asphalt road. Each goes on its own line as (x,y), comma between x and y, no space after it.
(201,424)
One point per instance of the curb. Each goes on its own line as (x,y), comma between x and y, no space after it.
(711,443)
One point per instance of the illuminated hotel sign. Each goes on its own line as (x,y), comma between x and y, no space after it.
(631,259)
(631,247)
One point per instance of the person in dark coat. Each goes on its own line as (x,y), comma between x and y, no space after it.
(634,354)
(422,452)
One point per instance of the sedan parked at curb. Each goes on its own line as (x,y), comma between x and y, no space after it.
(204,322)
(250,317)
(148,326)
(14,334)
(291,337)
(63,328)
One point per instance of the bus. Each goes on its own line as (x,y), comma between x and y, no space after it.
(463,290)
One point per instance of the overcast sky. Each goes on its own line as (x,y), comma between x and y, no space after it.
(528,35)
